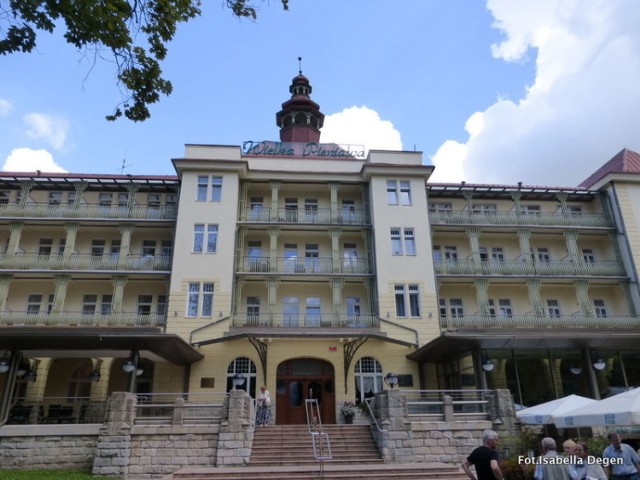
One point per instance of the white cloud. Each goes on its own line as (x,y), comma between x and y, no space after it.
(582,108)
(5,107)
(29,160)
(51,128)
(361,126)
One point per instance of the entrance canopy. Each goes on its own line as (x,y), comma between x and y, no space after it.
(55,342)
(543,413)
(621,409)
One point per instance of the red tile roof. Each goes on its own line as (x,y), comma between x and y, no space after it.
(627,161)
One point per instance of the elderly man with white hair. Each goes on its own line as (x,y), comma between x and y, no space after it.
(551,465)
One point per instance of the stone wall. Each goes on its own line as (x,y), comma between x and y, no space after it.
(48,446)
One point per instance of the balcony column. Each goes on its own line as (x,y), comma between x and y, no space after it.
(275,190)
(132,190)
(60,293)
(335,249)
(571,239)
(366,242)
(474,243)
(482,294)
(119,282)
(468,198)
(242,201)
(582,292)
(524,237)
(79,187)
(535,300)
(516,196)
(126,231)
(562,199)
(25,191)
(334,187)
(273,249)
(5,283)
(337,285)
(240,249)
(70,240)
(15,229)
(272,295)
(99,390)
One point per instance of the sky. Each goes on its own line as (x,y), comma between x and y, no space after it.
(535,91)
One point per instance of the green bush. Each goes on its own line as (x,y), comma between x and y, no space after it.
(596,445)
(512,470)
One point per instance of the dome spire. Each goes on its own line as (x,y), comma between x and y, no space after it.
(300,119)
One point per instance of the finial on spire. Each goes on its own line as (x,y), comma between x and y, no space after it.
(300,65)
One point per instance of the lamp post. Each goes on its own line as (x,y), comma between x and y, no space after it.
(130,366)
(237,380)
(487,364)
(391,379)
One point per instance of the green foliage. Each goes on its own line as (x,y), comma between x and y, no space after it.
(596,445)
(45,475)
(113,26)
(348,409)
(512,470)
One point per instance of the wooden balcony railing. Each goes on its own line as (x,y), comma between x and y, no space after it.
(79,261)
(302,266)
(608,268)
(539,219)
(66,319)
(305,216)
(305,320)
(539,321)
(88,210)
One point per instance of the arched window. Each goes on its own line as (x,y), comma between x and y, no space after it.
(368,377)
(247,368)
(301,119)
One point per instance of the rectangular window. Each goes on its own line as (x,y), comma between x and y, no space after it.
(401,310)
(71,198)
(198,237)
(497,254)
(192,300)
(203,183)
(348,211)
(50,303)
(442,303)
(97,248)
(553,308)
(123,199)
(253,310)
(440,207)
(144,304)
(456,308)
(396,242)
(161,307)
(148,248)
(115,249)
(311,210)
(207,299)
(55,198)
(212,238)
(543,255)
(216,189)
(4,197)
(166,248)
(409,242)
(575,210)
(530,209)
(153,200)
(61,244)
(405,193)
(588,255)
(291,209)
(33,303)
(105,199)
(392,192)
(414,301)
(105,305)
(256,207)
(505,307)
(451,253)
(89,304)
(484,208)
(601,308)
(312,312)
(437,254)
(44,249)
(311,260)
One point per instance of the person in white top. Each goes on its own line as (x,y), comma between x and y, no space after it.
(263,407)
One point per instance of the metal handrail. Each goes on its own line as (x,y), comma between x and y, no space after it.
(304,265)
(469,217)
(304,320)
(539,321)
(367,402)
(66,318)
(85,261)
(302,215)
(534,267)
(89,210)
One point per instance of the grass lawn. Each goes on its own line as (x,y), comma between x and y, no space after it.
(45,475)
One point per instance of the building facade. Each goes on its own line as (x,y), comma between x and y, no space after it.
(315,270)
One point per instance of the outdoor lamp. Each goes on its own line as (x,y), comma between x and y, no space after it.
(95,375)
(129,364)
(139,371)
(238,380)
(599,363)
(487,365)
(22,368)
(30,375)
(391,379)
(575,368)
(4,364)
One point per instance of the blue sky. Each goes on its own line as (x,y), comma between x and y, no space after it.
(539,91)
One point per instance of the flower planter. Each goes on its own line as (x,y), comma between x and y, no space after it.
(348,419)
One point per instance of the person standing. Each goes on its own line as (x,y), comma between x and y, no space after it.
(588,469)
(551,465)
(485,458)
(263,407)
(629,469)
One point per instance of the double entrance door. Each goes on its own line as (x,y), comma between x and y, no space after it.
(299,380)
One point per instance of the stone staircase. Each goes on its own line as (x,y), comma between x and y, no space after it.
(283,452)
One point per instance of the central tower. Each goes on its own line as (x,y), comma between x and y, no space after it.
(300,119)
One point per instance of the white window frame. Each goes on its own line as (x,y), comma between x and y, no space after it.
(553,308)
(409,240)
(200,299)
(396,241)
(600,308)
(392,192)
(405,192)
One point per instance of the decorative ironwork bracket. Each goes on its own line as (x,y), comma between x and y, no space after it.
(261,347)
(349,350)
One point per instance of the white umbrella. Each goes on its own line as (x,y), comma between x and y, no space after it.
(543,413)
(621,409)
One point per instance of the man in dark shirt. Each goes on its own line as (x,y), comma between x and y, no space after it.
(485,459)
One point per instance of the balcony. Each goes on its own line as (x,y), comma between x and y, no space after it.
(531,321)
(82,262)
(302,216)
(536,219)
(88,211)
(609,268)
(305,320)
(304,266)
(68,319)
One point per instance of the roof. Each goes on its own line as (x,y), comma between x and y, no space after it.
(66,181)
(528,192)
(626,161)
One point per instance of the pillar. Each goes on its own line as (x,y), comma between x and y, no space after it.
(15,229)
(80,187)
(126,231)
(25,191)
(236,431)
(70,240)
(474,244)
(119,282)
(533,286)
(482,294)
(275,190)
(273,249)
(334,187)
(5,283)
(582,292)
(60,293)
(335,249)
(524,238)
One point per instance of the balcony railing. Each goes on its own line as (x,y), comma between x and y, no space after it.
(88,210)
(539,321)
(300,266)
(79,261)
(57,410)
(607,268)
(305,216)
(466,217)
(305,320)
(180,408)
(67,319)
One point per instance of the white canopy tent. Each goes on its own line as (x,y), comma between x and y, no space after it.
(543,413)
(621,409)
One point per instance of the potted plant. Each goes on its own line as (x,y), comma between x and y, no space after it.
(348,410)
